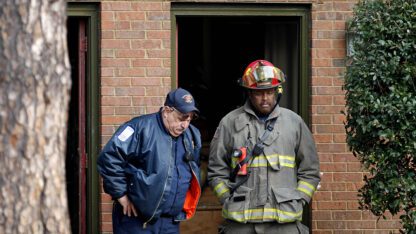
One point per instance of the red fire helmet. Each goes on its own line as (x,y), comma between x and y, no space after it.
(262,74)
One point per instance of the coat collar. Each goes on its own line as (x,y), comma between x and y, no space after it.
(244,118)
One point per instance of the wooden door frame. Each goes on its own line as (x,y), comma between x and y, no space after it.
(90,12)
(228,9)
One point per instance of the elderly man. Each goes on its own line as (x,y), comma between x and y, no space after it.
(150,167)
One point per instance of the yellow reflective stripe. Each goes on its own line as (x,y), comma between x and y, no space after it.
(287,161)
(220,189)
(264,161)
(306,188)
(263,214)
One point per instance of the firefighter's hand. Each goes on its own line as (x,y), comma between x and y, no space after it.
(128,207)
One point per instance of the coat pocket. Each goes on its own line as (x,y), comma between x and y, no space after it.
(288,205)
(235,206)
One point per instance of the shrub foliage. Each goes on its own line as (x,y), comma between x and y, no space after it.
(381,106)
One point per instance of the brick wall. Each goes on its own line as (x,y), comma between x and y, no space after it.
(335,206)
(135,76)
(135,67)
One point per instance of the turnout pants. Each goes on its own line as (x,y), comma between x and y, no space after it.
(231,227)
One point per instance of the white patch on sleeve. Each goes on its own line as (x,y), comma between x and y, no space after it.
(126,134)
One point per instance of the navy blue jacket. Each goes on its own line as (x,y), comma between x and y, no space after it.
(136,160)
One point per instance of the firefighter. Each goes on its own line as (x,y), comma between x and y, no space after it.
(263,165)
(150,167)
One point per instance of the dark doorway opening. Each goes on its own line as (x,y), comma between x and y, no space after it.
(214,51)
(76,148)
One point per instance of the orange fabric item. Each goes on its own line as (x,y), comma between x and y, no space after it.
(192,197)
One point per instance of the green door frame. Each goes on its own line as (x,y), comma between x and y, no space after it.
(90,12)
(297,10)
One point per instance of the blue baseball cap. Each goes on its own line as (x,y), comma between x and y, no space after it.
(181,100)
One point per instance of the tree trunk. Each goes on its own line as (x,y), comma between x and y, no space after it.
(34,93)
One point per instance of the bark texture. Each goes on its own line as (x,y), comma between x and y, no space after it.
(34,93)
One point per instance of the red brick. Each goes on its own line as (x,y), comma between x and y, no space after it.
(106,217)
(321,100)
(321,215)
(339,119)
(333,167)
(343,6)
(321,63)
(354,167)
(325,157)
(130,53)
(114,120)
(162,53)
(345,196)
(348,177)
(131,72)
(322,138)
(330,109)
(148,101)
(106,62)
(129,34)
(330,53)
(321,119)
(157,34)
(108,25)
(115,44)
(323,6)
(344,158)
(333,186)
(115,101)
(147,81)
(146,25)
(105,71)
(130,91)
(323,128)
(383,224)
(146,44)
(322,24)
(346,215)
(158,15)
(361,224)
(331,225)
(147,6)
(107,110)
(339,138)
(107,91)
(327,90)
(130,15)
(115,81)
(321,43)
(147,62)
(321,81)
(157,91)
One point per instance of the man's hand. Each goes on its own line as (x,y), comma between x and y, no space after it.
(128,207)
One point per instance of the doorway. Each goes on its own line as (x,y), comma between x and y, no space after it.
(213,44)
(82,127)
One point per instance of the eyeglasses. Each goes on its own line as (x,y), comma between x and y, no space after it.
(183,117)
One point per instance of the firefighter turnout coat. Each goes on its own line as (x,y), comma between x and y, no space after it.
(286,173)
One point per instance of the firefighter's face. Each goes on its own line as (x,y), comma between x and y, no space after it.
(175,121)
(263,100)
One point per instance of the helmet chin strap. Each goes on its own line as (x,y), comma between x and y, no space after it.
(279,94)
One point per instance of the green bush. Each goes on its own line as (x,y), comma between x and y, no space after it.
(381,106)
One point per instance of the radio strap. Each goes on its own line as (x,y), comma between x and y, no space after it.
(257,150)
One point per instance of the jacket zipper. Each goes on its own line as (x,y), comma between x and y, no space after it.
(164,188)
